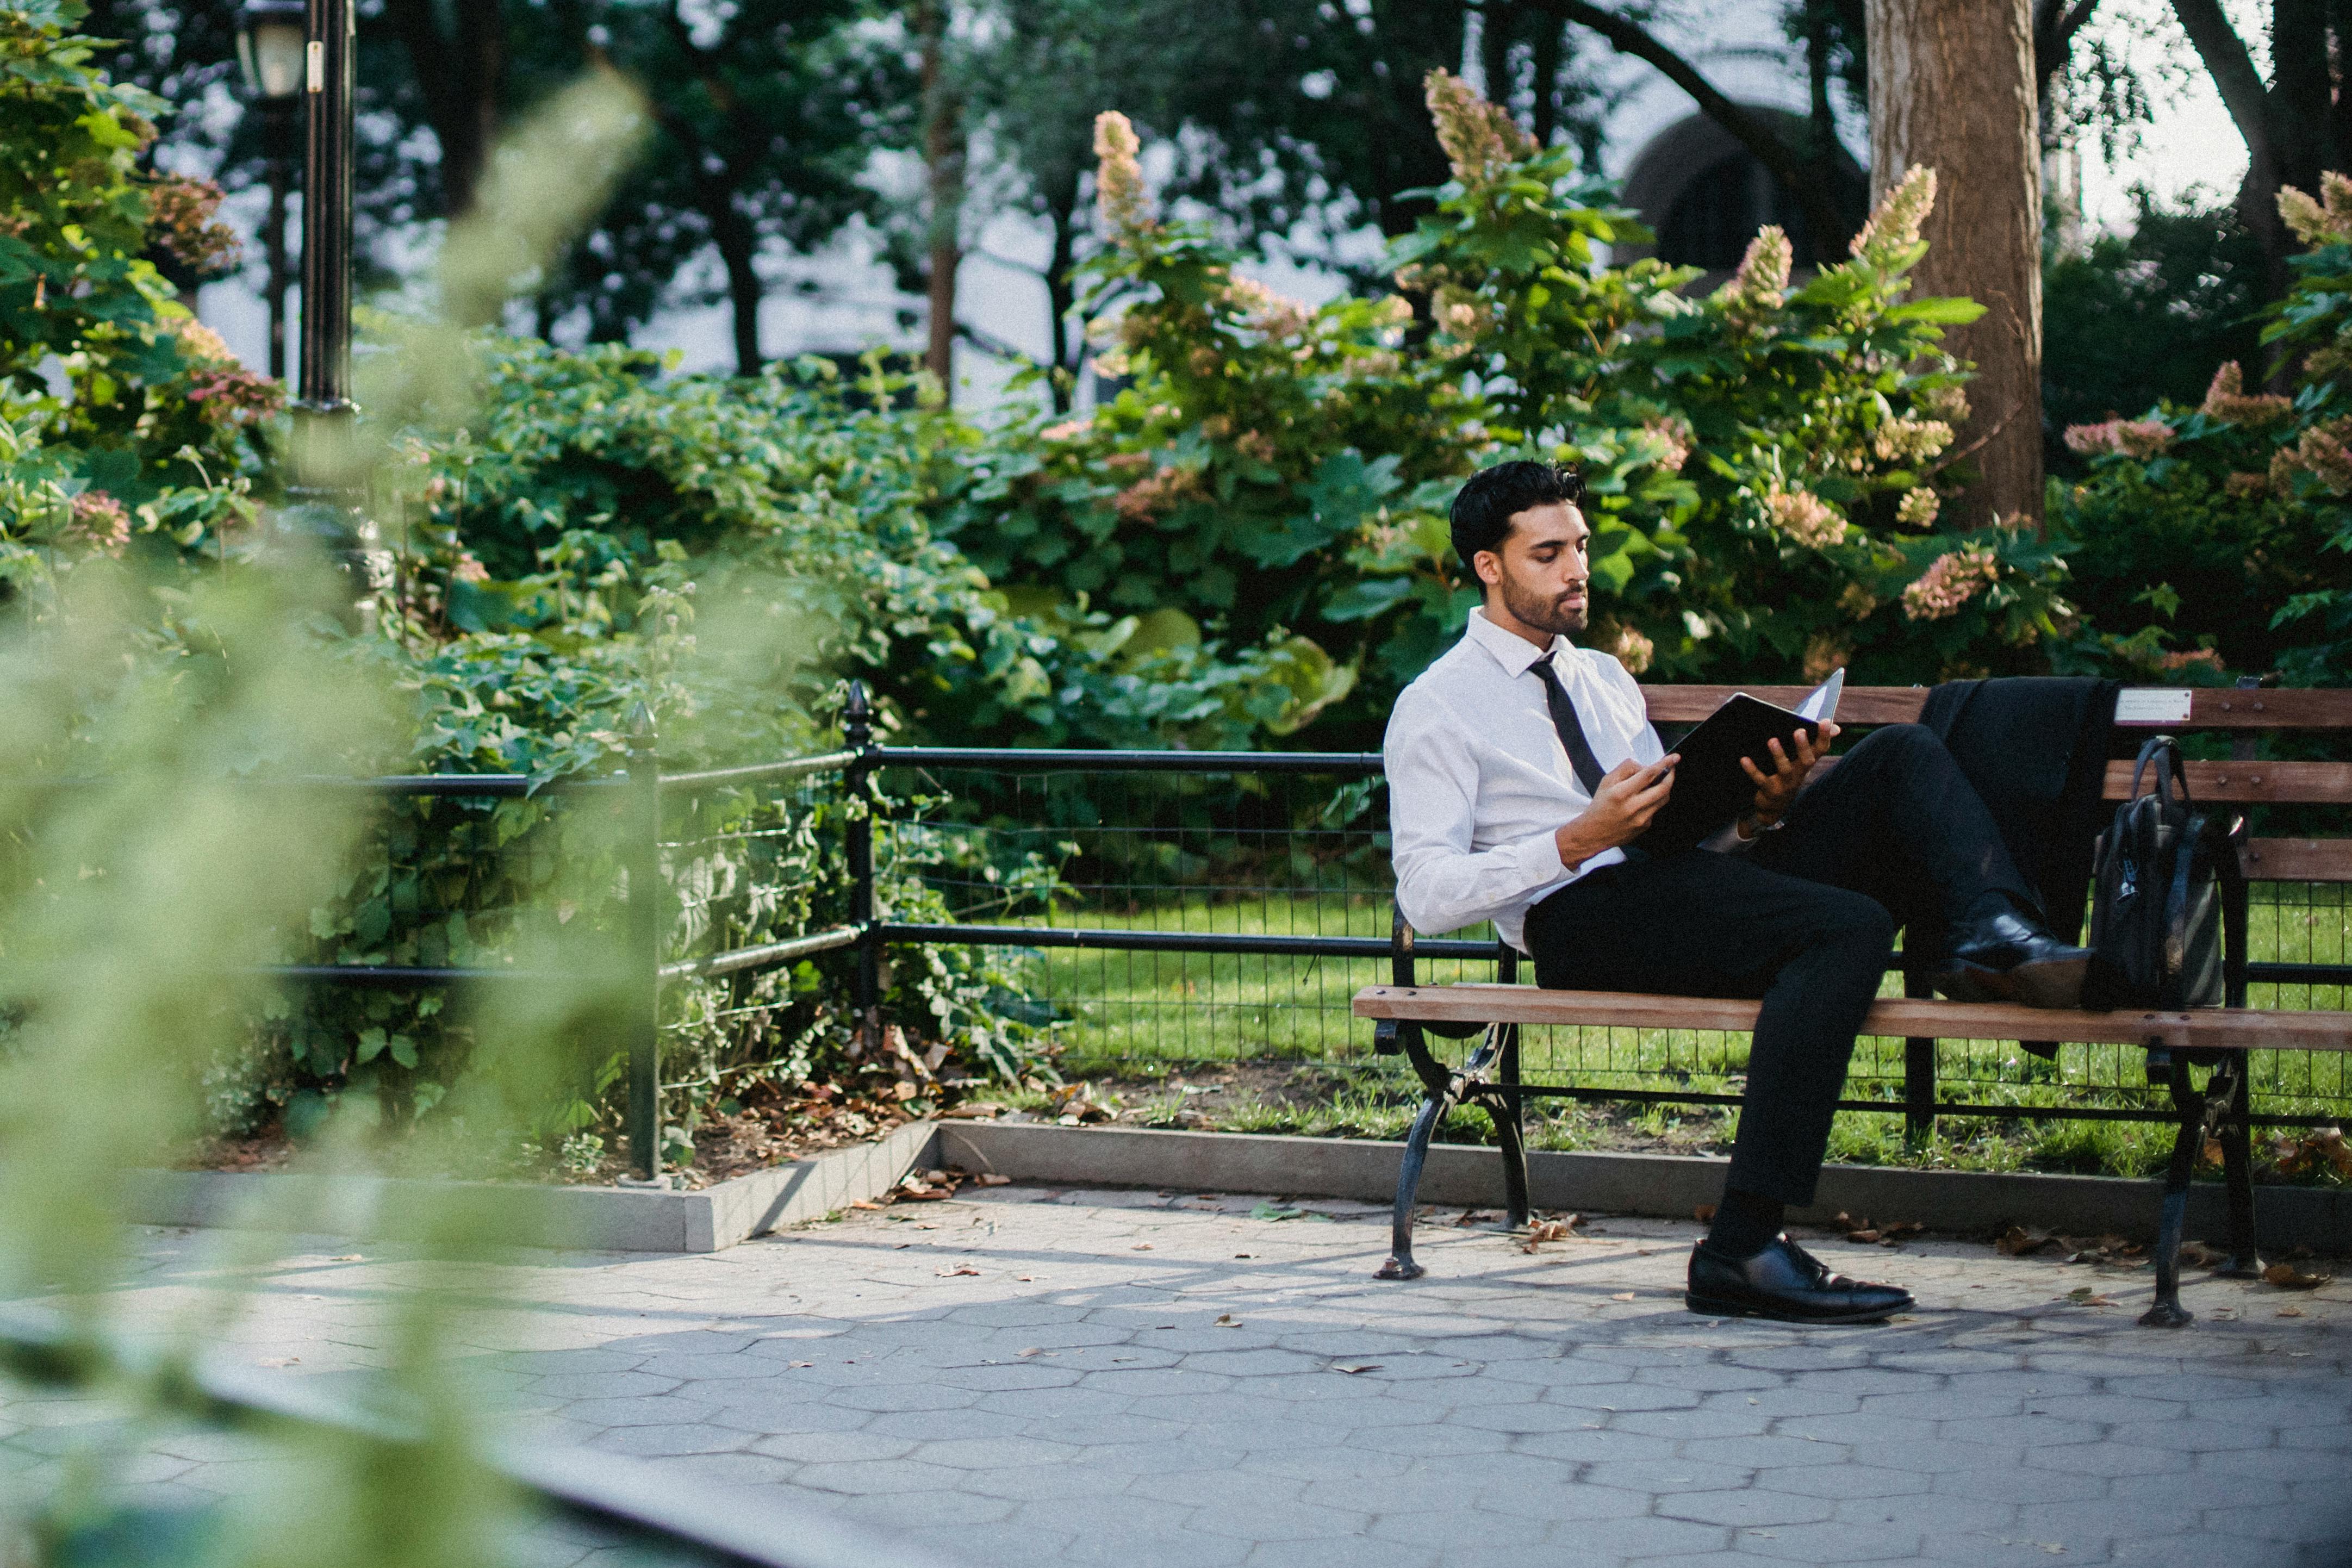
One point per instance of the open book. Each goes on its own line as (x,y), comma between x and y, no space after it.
(1711,789)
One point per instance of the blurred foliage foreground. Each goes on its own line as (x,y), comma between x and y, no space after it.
(1244,546)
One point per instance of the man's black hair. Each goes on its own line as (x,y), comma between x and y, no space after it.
(1482,512)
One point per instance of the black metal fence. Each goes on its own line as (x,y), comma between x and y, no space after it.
(1166,908)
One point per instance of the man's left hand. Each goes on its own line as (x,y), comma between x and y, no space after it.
(1776,791)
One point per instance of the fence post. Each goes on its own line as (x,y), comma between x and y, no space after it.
(857,733)
(645,931)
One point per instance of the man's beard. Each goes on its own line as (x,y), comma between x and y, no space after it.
(1545,615)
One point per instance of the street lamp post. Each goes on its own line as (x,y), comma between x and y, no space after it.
(326,495)
(270,39)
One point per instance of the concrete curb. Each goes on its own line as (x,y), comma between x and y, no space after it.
(603,1219)
(1669,1185)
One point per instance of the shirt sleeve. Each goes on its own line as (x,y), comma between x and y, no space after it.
(1442,882)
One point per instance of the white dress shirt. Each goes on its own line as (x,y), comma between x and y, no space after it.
(1479,782)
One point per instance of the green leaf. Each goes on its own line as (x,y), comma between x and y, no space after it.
(1938,309)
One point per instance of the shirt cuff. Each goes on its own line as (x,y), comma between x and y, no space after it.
(1539,860)
(1726,841)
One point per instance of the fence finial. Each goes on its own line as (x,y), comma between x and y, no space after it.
(857,718)
(642,735)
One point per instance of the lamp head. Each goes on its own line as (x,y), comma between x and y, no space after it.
(270,38)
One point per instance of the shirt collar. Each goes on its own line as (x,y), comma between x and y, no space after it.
(1513,652)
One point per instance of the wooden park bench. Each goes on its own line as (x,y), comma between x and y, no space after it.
(2213,1040)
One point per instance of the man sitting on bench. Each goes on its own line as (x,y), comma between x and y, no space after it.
(1522,769)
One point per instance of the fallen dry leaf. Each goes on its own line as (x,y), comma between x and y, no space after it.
(2289,1313)
(1026,1279)
(1140,1247)
(1622,1296)
(959,1269)
(803,1364)
(1227,1321)
(1352,1367)
(2321,1146)
(991,1179)
(1032,1349)
(2197,1255)
(2019,1242)
(2287,1276)
(2083,1296)
(348,1258)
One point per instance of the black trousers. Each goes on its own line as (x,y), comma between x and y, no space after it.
(1892,836)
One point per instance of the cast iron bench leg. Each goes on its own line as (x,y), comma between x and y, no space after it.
(2188,1142)
(1510,1131)
(2238,1168)
(1400,1265)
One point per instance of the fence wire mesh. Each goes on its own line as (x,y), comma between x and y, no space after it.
(1306,855)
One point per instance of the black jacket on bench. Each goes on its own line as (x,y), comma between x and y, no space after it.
(2035,747)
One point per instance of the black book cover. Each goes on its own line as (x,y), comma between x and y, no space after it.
(1710,788)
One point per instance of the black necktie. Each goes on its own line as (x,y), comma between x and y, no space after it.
(1572,729)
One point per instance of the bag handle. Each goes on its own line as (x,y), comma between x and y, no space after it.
(2170,772)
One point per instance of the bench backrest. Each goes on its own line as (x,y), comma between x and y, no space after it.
(2243,713)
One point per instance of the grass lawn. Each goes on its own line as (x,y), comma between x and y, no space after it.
(1144,1021)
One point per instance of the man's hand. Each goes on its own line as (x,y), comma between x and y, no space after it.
(1776,791)
(1621,807)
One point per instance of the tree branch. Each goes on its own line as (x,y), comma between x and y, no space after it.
(1803,177)
(2233,73)
(2056,23)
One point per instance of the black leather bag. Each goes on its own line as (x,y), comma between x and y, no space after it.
(2161,876)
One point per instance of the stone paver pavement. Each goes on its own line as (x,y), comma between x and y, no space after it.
(1026,1375)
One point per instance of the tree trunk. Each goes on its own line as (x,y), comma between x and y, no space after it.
(1061,297)
(1548,31)
(737,245)
(943,160)
(1952,88)
(460,81)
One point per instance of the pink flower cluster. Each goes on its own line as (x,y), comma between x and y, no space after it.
(235,395)
(1479,137)
(2323,451)
(1673,432)
(98,522)
(2226,399)
(1805,518)
(1895,226)
(1951,580)
(2131,437)
(2325,222)
(1633,650)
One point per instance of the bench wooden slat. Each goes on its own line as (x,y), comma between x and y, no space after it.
(2210,707)
(2287,784)
(2227,1028)
(2299,860)
(2295,784)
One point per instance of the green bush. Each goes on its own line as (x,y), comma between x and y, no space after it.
(123,421)
(2220,532)
(1764,463)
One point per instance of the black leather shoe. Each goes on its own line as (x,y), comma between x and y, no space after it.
(1786,1282)
(2008,958)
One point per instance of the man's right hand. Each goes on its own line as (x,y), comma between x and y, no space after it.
(1621,807)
